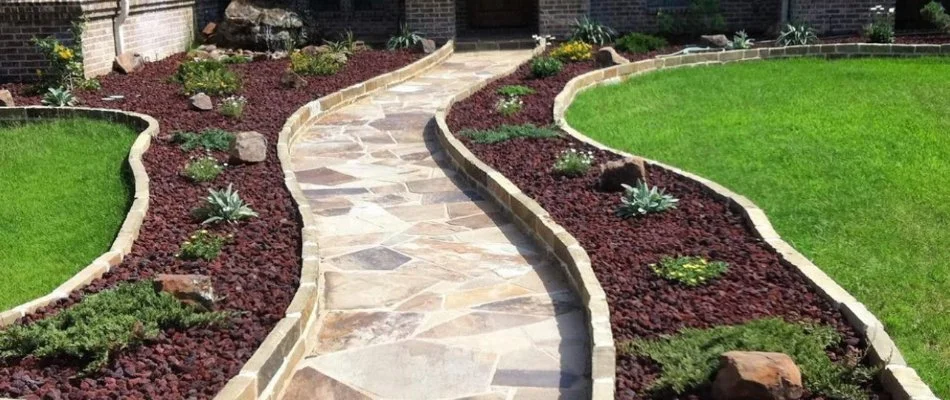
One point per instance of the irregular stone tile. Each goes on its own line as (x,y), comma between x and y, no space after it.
(415,369)
(418,213)
(323,176)
(427,228)
(402,121)
(329,242)
(534,305)
(308,384)
(430,270)
(422,302)
(571,354)
(483,295)
(432,185)
(418,156)
(353,290)
(486,396)
(374,259)
(533,378)
(571,325)
(347,330)
(389,189)
(477,323)
(457,210)
(383,154)
(451,197)
(322,193)
(479,221)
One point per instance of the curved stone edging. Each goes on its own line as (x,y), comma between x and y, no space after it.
(122,245)
(533,219)
(898,378)
(267,373)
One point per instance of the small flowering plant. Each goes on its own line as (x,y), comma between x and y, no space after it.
(65,61)
(203,169)
(233,107)
(546,40)
(689,271)
(203,245)
(573,163)
(509,106)
(881,28)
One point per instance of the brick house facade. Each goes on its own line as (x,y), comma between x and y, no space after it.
(158,28)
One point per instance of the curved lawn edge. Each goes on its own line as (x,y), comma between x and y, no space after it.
(897,377)
(533,219)
(129,231)
(268,371)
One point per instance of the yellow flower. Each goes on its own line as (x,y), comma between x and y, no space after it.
(64,53)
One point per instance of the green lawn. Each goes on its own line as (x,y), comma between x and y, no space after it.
(65,189)
(849,158)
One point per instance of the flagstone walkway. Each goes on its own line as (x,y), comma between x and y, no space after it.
(431,293)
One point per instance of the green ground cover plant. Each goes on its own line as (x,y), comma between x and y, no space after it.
(508,132)
(65,190)
(208,139)
(856,179)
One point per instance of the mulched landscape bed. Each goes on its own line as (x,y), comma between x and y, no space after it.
(643,305)
(256,275)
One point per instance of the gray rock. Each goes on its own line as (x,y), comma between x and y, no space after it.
(291,80)
(614,174)
(248,147)
(720,41)
(194,290)
(6,99)
(128,63)
(259,24)
(314,50)
(426,46)
(201,102)
(608,57)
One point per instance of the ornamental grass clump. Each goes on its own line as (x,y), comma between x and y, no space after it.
(543,66)
(573,163)
(508,132)
(203,245)
(573,51)
(224,206)
(203,169)
(642,200)
(592,32)
(689,271)
(103,324)
(404,39)
(208,139)
(797,35)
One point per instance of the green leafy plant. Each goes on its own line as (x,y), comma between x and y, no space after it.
(211,77)
(325,64)
(741,41)
(690,271)
(208,139)
(573,163)
(700,18)
(509,106)
(936,15)
(404,39)
(509,132)
(203,245)
(797,35)
(65,60)
(690,358)
(236,59)
(346,44)
(573,51)
(640,43)
(515,90)
(203,169)
(103,324)
(881,28)
(643,200)
(224,206)
(592,32)
(543,66)
(233,107)
(59,97)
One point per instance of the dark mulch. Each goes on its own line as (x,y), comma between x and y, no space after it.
(257,275)
(643,305)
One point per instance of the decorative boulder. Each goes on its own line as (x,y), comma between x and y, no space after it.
(6,99)
(248,147)
(201,102)
(258,24)
(608,57)
(426,46)
(312,50)
(292,80)
(128,63)
(614,174)
(757,376)
(209,29)
(720,41)
(195,290)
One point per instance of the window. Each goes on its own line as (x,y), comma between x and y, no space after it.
(326,5)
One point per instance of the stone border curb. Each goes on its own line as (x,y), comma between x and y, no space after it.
(898,379)
(122,245)
(267,373)
(533,219)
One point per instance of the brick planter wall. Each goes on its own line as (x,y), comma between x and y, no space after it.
(434,18)
(835,16)
(636,15)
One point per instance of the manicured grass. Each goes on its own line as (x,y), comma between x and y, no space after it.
(65,188)
(850,159)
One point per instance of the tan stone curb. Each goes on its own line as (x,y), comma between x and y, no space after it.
(267,373)
(148,128)
(533,219)
(898,379)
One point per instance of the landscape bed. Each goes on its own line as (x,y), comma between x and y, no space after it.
(256,274)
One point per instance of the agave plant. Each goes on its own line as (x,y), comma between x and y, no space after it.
(224,206)
(643,200)
(796,35)
(741,41)
(59,97)
(405,39)
(592,32)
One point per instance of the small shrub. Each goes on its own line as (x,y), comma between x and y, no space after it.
(573,51)
(102,324)
(881,28)
(208,139)
(573,163)
(643,200)
(236,59)
(741,41)
(797,35)
(592,32)
(233,106)
(640,43)
(211,77)
(543,67)
(89,84)
(404,39)
(346,45)
(509,132)
(224,206)
(515,90)
(936,15)
(690,358)
(509,106)
(324,64)
(203,169)
(59,97)
(65,61)
(690,271)
(702,17)
(203,245)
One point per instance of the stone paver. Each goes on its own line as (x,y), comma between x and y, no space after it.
(431,292)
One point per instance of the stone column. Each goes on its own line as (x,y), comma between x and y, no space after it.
(435,19)
(556,17)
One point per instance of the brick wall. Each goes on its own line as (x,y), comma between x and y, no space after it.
(556,17)
(835,16)
(375,24)
(754,16)
(20,22)
(434,18)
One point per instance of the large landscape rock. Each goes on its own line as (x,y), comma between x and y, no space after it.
(614,174)
(426,46)
(291,80)
(128,62)
(720,41)
(750,375)
(259,24)
(201,102)
(6,99)
(195,290)
(608,57)
(248,147)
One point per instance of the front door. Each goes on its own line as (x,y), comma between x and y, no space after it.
(501,13)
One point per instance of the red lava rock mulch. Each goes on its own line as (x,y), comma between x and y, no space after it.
(642,305)
(256,275)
